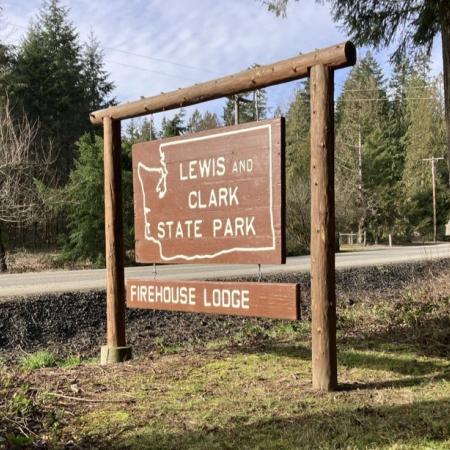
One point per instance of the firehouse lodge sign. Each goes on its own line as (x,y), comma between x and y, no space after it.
(214,196)
(273,300)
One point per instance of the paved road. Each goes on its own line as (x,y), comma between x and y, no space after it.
(77,280)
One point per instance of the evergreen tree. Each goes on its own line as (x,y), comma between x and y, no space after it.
(397,124)
(424,138)
(86,237)
(174,126)
(49,83)
(147,131)
(194,122)
(7,60)
(97,86)
(209,121)
(298,119)
(199,122)
(85,202)
(132,131)
(298,157)
(365,163)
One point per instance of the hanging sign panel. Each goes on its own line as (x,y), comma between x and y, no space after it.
(215,196)
(273,300)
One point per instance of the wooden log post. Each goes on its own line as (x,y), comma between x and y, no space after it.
(323,299)
(116,349)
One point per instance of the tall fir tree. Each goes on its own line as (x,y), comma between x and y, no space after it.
(84,206)
(7,61)
(397,126)
(424,138)
(298,157)
(364,161)
(174,126)
(49,83)
(97,85)
(201,122)
(298,119)
(147,130)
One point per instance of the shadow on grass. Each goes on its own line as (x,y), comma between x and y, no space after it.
(394,384)
(418,372)
(355,359)
(388,363)
(427,337)
(411,425)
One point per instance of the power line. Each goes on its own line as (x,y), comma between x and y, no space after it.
(151,71)
(381,99)
(152,58)
(338,100)
(156,72)
(139,55)
(383,89)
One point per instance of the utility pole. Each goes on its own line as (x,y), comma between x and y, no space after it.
(433,179)
(362,220)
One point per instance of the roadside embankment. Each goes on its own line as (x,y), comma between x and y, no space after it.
(74,323)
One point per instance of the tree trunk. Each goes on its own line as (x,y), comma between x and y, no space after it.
(3,266)
(445,33)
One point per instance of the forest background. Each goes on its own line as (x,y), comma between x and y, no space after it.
(51,157)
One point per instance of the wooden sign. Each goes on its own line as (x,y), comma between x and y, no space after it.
(273,300)
(215,196)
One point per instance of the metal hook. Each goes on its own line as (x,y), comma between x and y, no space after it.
(259,273)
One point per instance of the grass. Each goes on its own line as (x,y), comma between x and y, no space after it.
(247,398)
(38,360)
(253,389)
(45,358)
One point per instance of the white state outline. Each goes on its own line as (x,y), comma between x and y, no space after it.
(161,195)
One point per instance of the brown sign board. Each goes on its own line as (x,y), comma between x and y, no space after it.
(215,196)
(273,300)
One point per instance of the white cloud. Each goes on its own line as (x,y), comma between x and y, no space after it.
(214,37)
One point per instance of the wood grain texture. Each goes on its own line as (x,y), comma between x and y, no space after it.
(274,300)
(323,301)
(215,196)
(115,281)
(335,57)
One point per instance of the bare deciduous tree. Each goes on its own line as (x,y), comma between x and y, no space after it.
(21,164)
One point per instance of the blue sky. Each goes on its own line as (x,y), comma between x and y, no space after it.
(154,46)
